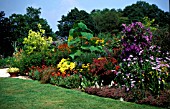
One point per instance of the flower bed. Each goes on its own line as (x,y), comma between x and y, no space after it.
(138,70)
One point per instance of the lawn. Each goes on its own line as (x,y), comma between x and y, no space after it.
(29,94)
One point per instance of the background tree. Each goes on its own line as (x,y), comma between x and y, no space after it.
(105,20)
(6,37)
(136,12)
(67,22)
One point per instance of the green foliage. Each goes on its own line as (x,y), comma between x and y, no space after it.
(141,9)
(36,42)
(105,20)
(148,23)
(87,57)
(72,81)
(162,38)
(80,41)
(24,61)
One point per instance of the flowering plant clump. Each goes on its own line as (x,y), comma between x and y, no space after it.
(36,42)
(64,47)
(13,70)
(66,67)
(105,69)
(136,38)
(35,72)
(143,66)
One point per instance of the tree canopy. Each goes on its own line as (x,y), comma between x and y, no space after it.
(67,22)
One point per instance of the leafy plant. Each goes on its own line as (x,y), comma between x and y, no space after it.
(68,81)
(79,41)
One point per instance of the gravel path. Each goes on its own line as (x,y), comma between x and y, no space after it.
(3,73)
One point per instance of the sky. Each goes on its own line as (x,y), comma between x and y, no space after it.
(52,10)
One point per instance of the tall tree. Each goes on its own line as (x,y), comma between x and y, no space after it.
(67,22)
(6,37)
(141,9)
(105,20)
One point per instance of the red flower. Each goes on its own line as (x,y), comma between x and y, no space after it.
(53,74)
(117,67)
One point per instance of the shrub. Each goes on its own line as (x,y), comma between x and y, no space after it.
(36,42)
(68,81)
(5,62)
(134,95)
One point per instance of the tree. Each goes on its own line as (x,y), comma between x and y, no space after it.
(136,12)
(105,20)
(67,22)
(6,38)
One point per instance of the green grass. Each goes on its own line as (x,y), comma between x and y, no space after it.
(29,94)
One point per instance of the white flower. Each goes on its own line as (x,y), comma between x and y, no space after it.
(121,99)
(140,52)
(131,56)
(134,58)
(128,59)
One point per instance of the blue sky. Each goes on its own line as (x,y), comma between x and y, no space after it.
(52,10)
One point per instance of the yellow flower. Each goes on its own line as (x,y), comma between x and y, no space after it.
(163,81)
(97,41)
(100,58)
(102,41)
(72,65)
(81,70)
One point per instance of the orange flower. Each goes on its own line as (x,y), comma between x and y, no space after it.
(58,74)
(64,47)
(68,74)
(63,74)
